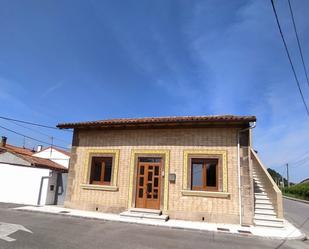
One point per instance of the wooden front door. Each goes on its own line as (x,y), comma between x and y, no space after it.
(148,186)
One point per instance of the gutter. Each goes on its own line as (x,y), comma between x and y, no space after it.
(238,169)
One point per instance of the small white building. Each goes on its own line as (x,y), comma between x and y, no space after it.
(54,154)
(32,177)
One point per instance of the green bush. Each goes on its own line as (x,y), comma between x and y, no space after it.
(299,191)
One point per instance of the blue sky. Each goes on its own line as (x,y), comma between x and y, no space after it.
(88,60)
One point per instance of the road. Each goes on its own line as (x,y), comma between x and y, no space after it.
(298,214)
(60,232)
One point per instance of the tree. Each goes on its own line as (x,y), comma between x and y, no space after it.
(277,177)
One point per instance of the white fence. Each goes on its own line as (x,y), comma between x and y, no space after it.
(26,185)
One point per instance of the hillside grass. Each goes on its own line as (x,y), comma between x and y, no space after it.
(300,191)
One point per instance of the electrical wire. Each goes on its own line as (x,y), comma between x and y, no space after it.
(34,139)
(300,163)
(298,42)
(289,57)
(31,123)
(39,132)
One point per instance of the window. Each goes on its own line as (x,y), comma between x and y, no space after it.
(101,170)
(204,174)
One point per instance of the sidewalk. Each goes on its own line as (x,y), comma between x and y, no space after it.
(288,232)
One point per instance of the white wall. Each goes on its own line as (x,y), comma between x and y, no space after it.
(55,156)
(22,184)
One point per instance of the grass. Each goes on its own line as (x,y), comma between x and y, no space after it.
(299,191)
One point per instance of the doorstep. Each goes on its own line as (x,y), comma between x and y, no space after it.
(287,232)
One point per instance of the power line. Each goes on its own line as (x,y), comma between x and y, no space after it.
(31,123)
(298,42)
(39,132)
(301,162)
(301,159)
(288,54)
(34,139)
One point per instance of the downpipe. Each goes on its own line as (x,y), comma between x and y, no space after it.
(238,169)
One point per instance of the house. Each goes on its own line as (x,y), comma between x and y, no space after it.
(199,168)
(54,154)
(30,177)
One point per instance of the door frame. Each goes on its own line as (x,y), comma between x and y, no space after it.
(145,176)
(135,154)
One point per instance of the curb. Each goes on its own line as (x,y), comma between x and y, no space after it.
(302,237)
(295,199)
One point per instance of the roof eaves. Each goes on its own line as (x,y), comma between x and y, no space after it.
(194,120)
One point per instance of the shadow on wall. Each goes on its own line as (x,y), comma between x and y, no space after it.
(60,188)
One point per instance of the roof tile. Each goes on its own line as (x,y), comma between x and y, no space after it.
(176,120)
(26,154)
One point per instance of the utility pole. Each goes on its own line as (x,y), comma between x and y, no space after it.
(287,174)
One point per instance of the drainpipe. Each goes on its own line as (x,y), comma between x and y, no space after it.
(238,169)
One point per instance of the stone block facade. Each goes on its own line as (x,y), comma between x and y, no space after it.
(179,202)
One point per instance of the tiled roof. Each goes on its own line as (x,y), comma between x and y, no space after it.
(19,150)
(26,154)
(160,121)
(42,162)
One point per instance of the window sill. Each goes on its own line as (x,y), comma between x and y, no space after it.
(205,193)
(99,187)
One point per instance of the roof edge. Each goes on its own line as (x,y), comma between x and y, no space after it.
(161,121)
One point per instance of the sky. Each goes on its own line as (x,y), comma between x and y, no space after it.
(88,60)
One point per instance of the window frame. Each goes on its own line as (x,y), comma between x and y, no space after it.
(204,161)
(103,169)
(115,160)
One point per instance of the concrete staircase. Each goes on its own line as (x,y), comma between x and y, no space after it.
(264,213)
(143,213)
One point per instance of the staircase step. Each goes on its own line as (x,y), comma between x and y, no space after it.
(268,206)
(145,210)
(267,217)
(261,196)
(128,214)
(264,197)
(258,191)
(263,201)
(264,211)
(259,187)
(268,224)
(259,184)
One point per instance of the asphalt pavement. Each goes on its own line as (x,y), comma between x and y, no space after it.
(297,213)
(60,232)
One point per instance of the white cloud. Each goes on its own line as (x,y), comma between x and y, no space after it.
(52,89)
